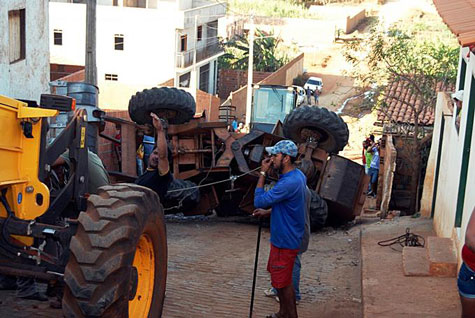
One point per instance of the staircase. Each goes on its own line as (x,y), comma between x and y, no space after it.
(438,258)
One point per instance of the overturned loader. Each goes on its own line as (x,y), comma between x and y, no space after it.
(223,164)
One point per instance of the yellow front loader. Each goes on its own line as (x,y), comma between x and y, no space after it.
(108,249)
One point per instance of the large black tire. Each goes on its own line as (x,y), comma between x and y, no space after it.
(304,121)
(318,212)
(100,278)
(171,103)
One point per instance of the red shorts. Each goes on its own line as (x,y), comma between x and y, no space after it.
(280,266)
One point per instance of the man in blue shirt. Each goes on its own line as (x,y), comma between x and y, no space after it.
(287,200)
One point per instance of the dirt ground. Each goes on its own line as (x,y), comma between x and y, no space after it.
(210,270)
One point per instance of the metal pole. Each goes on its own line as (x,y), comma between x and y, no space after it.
(255,268)
(250,72)
(91,68)
(197,78)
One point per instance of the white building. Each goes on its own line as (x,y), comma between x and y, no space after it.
(140,44)
(24,48)
(449,185)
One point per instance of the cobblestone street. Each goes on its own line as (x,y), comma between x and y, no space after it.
(210,272)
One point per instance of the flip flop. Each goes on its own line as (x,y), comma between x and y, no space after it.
(274,315)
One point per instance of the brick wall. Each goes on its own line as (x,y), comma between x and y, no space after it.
(169,83)
(78,76)
(60,70)
(283,76)
(209,103)
(232,80)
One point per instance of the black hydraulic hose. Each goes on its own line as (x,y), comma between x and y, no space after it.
(255,268)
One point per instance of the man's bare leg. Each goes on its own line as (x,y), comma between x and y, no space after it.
(287,302)
(282,313)
(468,307)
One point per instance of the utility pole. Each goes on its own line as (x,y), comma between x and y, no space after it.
(91,68)
(194,78)
(250,72)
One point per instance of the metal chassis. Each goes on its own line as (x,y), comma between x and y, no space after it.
(41,261)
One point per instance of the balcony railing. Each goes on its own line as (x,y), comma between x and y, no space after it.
(185,59)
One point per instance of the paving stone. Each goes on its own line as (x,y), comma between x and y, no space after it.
(442,256)
(415,261)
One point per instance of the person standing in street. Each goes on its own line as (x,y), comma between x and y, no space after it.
(308,92)
(316,94)
(373,170)
(287,200)
(308,169)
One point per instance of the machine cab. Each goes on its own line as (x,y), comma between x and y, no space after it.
(271,103)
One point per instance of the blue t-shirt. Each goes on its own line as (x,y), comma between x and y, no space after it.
(287,199)
(375,160)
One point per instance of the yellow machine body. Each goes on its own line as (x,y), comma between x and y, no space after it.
(19,160)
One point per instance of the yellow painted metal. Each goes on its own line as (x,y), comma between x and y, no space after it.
(83,137)
(19,159)
(144,262)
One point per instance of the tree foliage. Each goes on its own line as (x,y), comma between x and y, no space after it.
(422,66)
(268,56)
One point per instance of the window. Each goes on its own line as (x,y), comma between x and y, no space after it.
(112,77)
(16,32)
(184,80)
(135,3)
(199,33)
(119,42)
(58,37)
(183,40)
(204,78)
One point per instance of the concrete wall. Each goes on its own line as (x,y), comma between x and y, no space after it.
(283,76)
(27,78)
(450,164)
(353,21)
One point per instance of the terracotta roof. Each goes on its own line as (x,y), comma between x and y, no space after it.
(459,17)
(398,96)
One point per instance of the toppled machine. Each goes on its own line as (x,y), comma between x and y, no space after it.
(222,165)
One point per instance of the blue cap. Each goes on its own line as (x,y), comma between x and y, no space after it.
(286,147)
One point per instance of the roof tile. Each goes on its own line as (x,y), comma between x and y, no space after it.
(458,15)
(398,109)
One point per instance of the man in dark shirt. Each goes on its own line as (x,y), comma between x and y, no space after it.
(157,176)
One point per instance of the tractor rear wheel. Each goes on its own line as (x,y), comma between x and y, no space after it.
(175,105)
(318,211)
(118,261)
(323,125)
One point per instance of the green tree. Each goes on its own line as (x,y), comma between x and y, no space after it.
(419,65)
(268,56)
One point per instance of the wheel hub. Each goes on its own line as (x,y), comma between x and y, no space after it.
(144,264)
